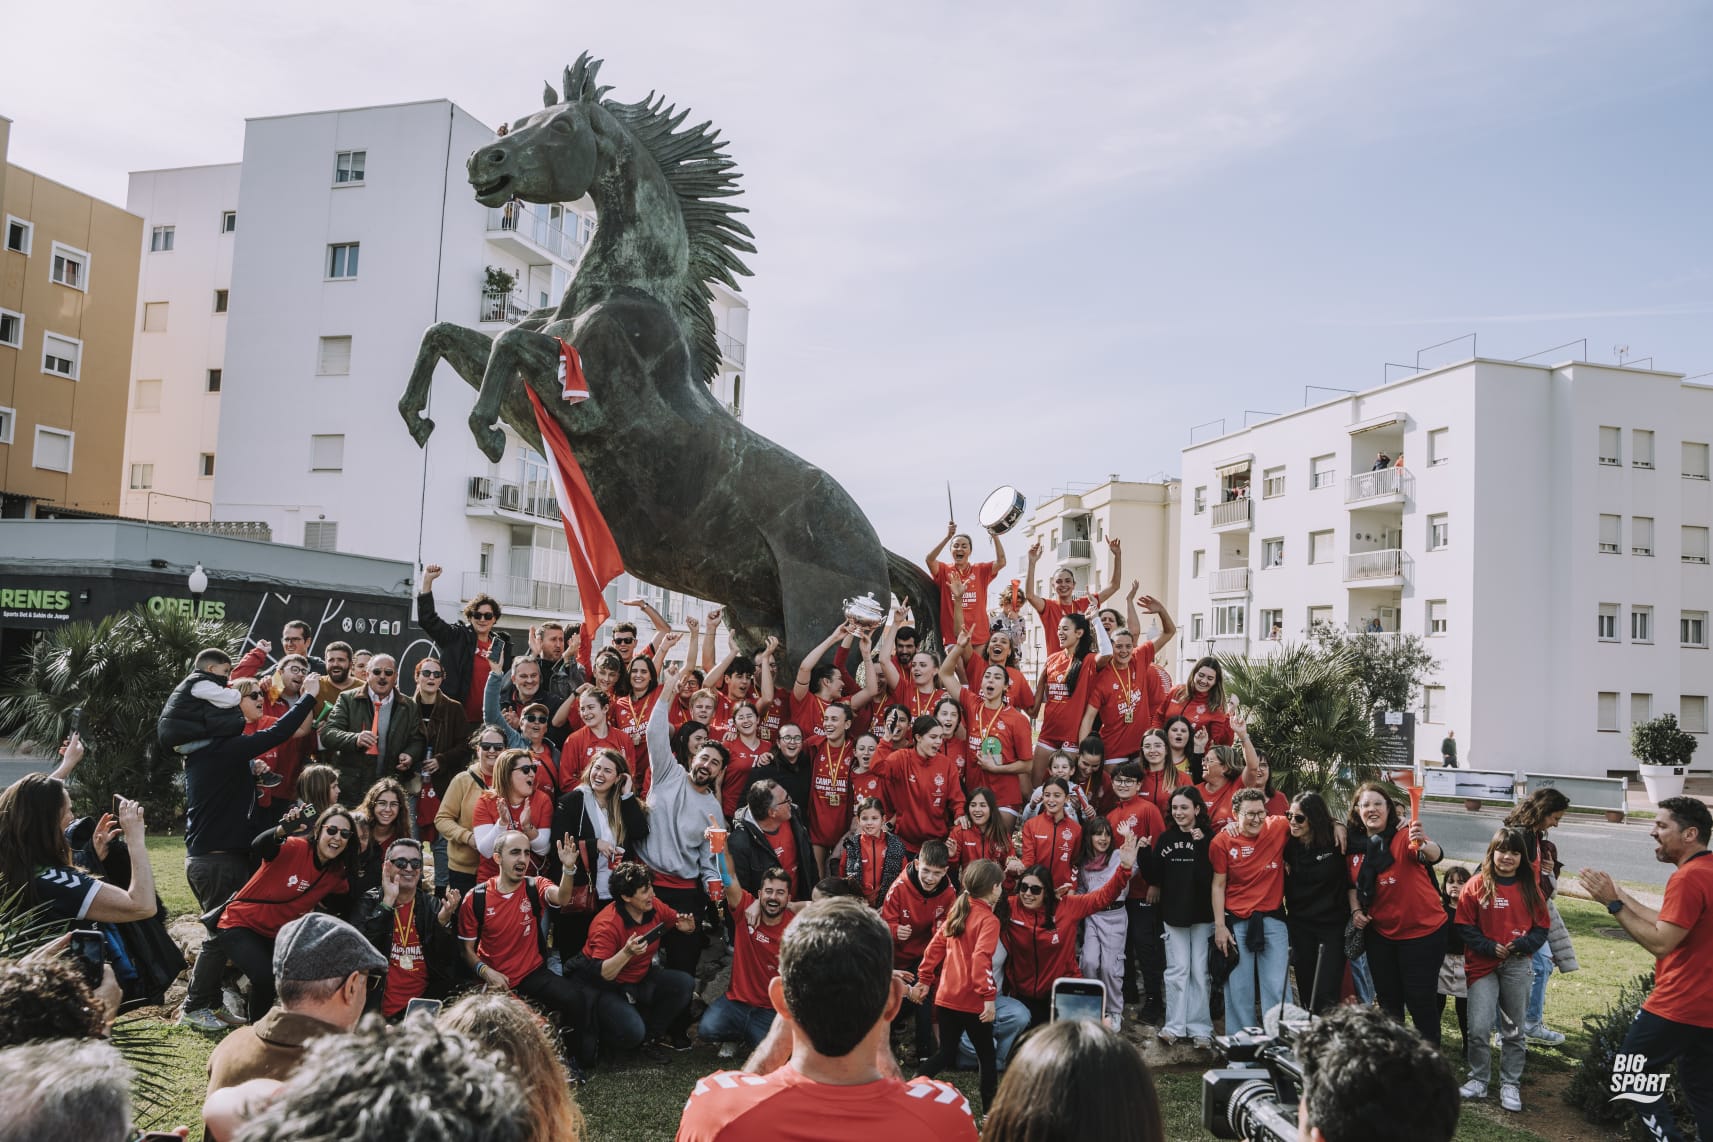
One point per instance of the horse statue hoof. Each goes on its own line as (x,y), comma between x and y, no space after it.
(421,428)
(490,440)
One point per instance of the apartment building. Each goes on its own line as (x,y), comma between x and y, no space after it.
(1544,528)
(68,298)
(1074,525)
(354,231)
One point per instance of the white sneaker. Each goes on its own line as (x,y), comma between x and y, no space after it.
(728,1050)
(1474,1088)
(1541,1033)
(1511,1097)
(1115,1022)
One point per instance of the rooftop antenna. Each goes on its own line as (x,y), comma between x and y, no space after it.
(1621,351)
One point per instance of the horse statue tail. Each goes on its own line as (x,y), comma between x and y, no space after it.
(910,583)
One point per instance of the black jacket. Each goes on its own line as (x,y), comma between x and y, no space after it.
(1317,888)
(1179,864)
(446,733)
(751,855)
(571,817)
(186,718)
(456,643)
(440,947)
(796,779)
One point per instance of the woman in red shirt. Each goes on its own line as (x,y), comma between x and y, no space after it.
(513,803)
(999,651)
(1061,696)
(986,837)
(747,749)
(1159,776)
(630,711)
(964,945)
(949,712)
(296,874)
(997,740)
(1395,904)
(1260,776)
(598,734)
(1181,752)
(1202,700)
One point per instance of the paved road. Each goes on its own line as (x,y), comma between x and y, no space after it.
(12,768)
(1624,850)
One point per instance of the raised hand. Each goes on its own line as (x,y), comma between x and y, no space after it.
(714,617)
(131,821)
(1135,586)
(951,528)
(1112,545)
(449,908)
(1152,605)
(567,849)
(106,829)
(1035,551)
(631,603)
(429,574)
(389,884)
(264,646)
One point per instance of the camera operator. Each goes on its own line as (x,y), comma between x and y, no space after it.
(1359,1067)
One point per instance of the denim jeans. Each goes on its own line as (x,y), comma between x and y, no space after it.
(1010,1019)
(1362,979)
(632,1014)
(729,1021)
(1499,997)
(1542,965)
(1256,976)
(1186,981)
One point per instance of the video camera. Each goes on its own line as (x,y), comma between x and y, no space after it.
(1255,1095)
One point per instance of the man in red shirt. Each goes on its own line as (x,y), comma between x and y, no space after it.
(975,579)
(745,1012)
(637,1001)
(1675,1024)
(825,1072)
(403,922)
(1249,885)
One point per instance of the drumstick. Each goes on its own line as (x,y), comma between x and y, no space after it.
(950,514)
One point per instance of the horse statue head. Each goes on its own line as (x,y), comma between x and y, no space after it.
(555,154)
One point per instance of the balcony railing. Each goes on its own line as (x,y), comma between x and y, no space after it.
(1230,513)
(1229,581)
(1074,550)
(1390,564)
(531,224)
(731,348)
(1228,644)
(507,307)
(534,499)
(1373,485)
(530,594)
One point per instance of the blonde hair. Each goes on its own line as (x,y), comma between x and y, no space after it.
(615,819)
(980,878)
(502,1023)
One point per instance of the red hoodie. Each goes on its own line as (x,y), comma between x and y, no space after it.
(924,791)
(1037,955)
(906,903)
(968,984)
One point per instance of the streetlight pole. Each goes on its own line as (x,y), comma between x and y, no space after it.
(198,584)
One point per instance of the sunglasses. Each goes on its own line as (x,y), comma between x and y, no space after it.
(336,831)
(406,863)
(1297,818)
(382,673)
(624,642)
(432,673)
(525,768)
(485,616)
(1030,889)
(535,717)
(490,747)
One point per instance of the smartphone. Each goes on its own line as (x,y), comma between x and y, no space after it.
(77,720)
(1078,999)
(654,933)
(431,1006)
(89,952)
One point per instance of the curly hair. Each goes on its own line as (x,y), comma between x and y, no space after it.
(512,1030)
(1356,1061)
(46,1000)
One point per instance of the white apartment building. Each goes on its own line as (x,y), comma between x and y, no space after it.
(1546,532)
(1074,526)
(359,232)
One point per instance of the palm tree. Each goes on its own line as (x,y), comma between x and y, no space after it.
(1308,713)
(119,671)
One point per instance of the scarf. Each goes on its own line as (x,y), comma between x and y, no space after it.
(1377,859)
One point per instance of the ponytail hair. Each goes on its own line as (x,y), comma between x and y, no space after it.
(979,879)
(1084,648)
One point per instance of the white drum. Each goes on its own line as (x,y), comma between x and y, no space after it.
(1001,511)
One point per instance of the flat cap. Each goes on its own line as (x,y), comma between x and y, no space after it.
(319,946)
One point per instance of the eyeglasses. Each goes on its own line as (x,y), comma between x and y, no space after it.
(1261,816)
(525,768)
(336,831)
(624,642)
(485,616)
(432,673)
(407,863)
(1029,889)
(1298,818)
(535,717)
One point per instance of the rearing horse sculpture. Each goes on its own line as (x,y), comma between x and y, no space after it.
(697,502)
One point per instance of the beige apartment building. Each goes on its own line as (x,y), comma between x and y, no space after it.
(1074,527)
(68,301)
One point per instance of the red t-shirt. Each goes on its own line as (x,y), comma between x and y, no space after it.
(1504,920)
(1122,698)
(755,955)
(868,783)
(1254,874)
(783,1106)
(1052,611)
(1406,904)
(1008,728)
(1680,991)
(404,983)
(1054,844)
(612,928)
(918,703)
(977,578)
(830,792)
(1219,803)
(1140,817)
(283,889)
(1062,714)
(736,777)
(581,748)
(488,812)
(479,668)
(509,944)
(783,842)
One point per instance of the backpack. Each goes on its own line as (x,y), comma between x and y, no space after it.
(479,905)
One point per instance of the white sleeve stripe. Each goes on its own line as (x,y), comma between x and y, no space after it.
(88,899)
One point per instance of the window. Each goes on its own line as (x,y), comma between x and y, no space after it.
(1273,552)
(1609,542)
(1641,624)
(1318,615)
(1201,499)
(61,355)
(142,476)
(160,240)
(214,380)
(1272,624)
(348,168)
(1228,621)
(53,449)
(1611,444)
(1197,628)
(154,317)
(1641,535)
(70,267)
(1438,442)
(342,260)
(228,221)
(11,329)
(148,396)
(1606,712)
(8,417)
(1439,531)
(1273,482)
(1641,708)
(1321,472)
(1692,629)
(205,464)
(1692,713)
(1320,547)
(321,535)
(18,235)
(1641,450)
(1608,622)
(1437,620)
(327,453)
(1198,560)
(334,358)
(1433,704)
(220,300)
(485,561)
(1695,545)
(1694,460)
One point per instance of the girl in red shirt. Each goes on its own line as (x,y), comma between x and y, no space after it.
(1159,776)
(1052,837)
(998,739)
(598,734)
(986,837)
(871,858)
(747,749)
(999,651)
(1061,696)
(964,945)
(949,712)
(1202,700)
(1502,917)
(513,803)
(1181,752)
(1395,904)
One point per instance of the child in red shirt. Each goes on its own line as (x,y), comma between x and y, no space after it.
(964,945)
(1502,918)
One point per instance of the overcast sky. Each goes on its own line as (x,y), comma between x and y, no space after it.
(1037,244)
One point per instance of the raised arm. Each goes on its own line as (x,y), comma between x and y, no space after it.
(491,705)
(1132,620)
(1640,921)
(710,625)
(654,616)
(998,553)
(949,668)
(870,678)
(933,556)
(427,617)
(764,693)
(136,901)
(1117,576)
(661,763)
(889,649)
(800,690)
(1035,600)
(1168,628)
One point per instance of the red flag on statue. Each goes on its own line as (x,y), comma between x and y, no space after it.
(594,553)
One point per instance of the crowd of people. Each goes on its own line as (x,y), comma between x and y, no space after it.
(902,851)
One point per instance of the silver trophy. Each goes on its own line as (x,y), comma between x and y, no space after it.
(865,613)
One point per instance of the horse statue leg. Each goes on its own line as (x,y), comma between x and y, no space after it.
(518,355)
(464,349)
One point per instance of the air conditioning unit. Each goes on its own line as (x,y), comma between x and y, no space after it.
(510,497)
(481,488)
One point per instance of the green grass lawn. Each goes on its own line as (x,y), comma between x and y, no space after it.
(640,1102)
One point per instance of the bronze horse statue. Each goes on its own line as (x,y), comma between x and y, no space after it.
(697,502)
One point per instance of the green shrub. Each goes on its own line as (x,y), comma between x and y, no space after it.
(1590,1089)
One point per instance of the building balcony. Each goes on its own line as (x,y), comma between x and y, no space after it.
(515,594)
(1075,551)
(731,348)
(498,500)
(1228,644)
(1389,568)
(1386,486)
(1229,581)
(507,307)
(1231,515)
(527,232)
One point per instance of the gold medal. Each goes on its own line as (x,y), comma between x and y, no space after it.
(833,799)
(406,963)
(1129,717)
